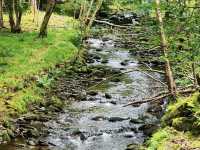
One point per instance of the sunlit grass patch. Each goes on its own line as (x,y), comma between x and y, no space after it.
(25,58)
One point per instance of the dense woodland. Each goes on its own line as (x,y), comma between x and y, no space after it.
(45,65)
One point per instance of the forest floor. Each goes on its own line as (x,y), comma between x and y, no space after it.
(25,60)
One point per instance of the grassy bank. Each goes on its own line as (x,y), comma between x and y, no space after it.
(25,61)
(180,126)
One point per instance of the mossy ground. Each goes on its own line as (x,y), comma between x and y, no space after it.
(25,59)
(180,126)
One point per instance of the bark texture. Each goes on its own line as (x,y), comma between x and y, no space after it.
(164,46)
(1,14)
(50,7)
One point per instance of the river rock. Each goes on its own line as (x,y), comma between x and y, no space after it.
(132,147)
(32,133)
(148,129)
(116,79)
(155,109)
(43,142)
(136,121)
(82,137)
(128,135)
(104,61)
(91,99)
(108,96)
(99,73)
(90,60)
(31,142)
(98,118)
(116,119)
(115,71)
(99,49)
(113,102)
(124,63)
(123,18)
(97,57)
(92,93)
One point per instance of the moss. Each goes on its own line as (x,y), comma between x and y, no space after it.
(184,107)
(183,123)
(181,126)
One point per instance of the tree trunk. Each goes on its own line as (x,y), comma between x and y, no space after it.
(194,74)
(18,14)
(1,14)
(34,10)
(89,11)
(9,5)
(168,71)
(92,18)
(50,7)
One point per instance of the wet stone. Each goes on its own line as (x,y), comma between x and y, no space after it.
(136,121)
(90,61)
(98,118)
(108,96)
(124,63)
(99,49)
(97,57)
(104,61)
(91,99)
(43,142)
(76,132)
(92,93)
(117,79)
(31,142)
(113,102)
(155,108)
(128,135)
(116,119)
(148,129)
(132,147)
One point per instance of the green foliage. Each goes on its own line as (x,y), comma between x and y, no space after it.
(158,138)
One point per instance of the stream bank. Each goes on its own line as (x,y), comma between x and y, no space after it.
(84,110)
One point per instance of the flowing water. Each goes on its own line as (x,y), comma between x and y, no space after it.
(101,122)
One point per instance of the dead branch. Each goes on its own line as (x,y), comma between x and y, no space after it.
(111,24)
(161,96)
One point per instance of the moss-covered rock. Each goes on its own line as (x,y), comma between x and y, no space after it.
(182,115)
(183,123)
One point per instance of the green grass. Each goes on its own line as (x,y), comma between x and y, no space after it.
(24,55)
(25,60)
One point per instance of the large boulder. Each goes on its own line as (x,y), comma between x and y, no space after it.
(124,18)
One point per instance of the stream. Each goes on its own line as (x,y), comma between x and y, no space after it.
(101,122)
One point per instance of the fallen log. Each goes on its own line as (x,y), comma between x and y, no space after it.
(161,96)
(111,24)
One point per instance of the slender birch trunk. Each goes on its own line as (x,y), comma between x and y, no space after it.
(164,46)
(98,6)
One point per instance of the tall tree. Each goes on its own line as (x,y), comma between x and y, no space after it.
(164,46)
(34,10)
(50,7)
(1,14)
(14,8)
(18,14)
